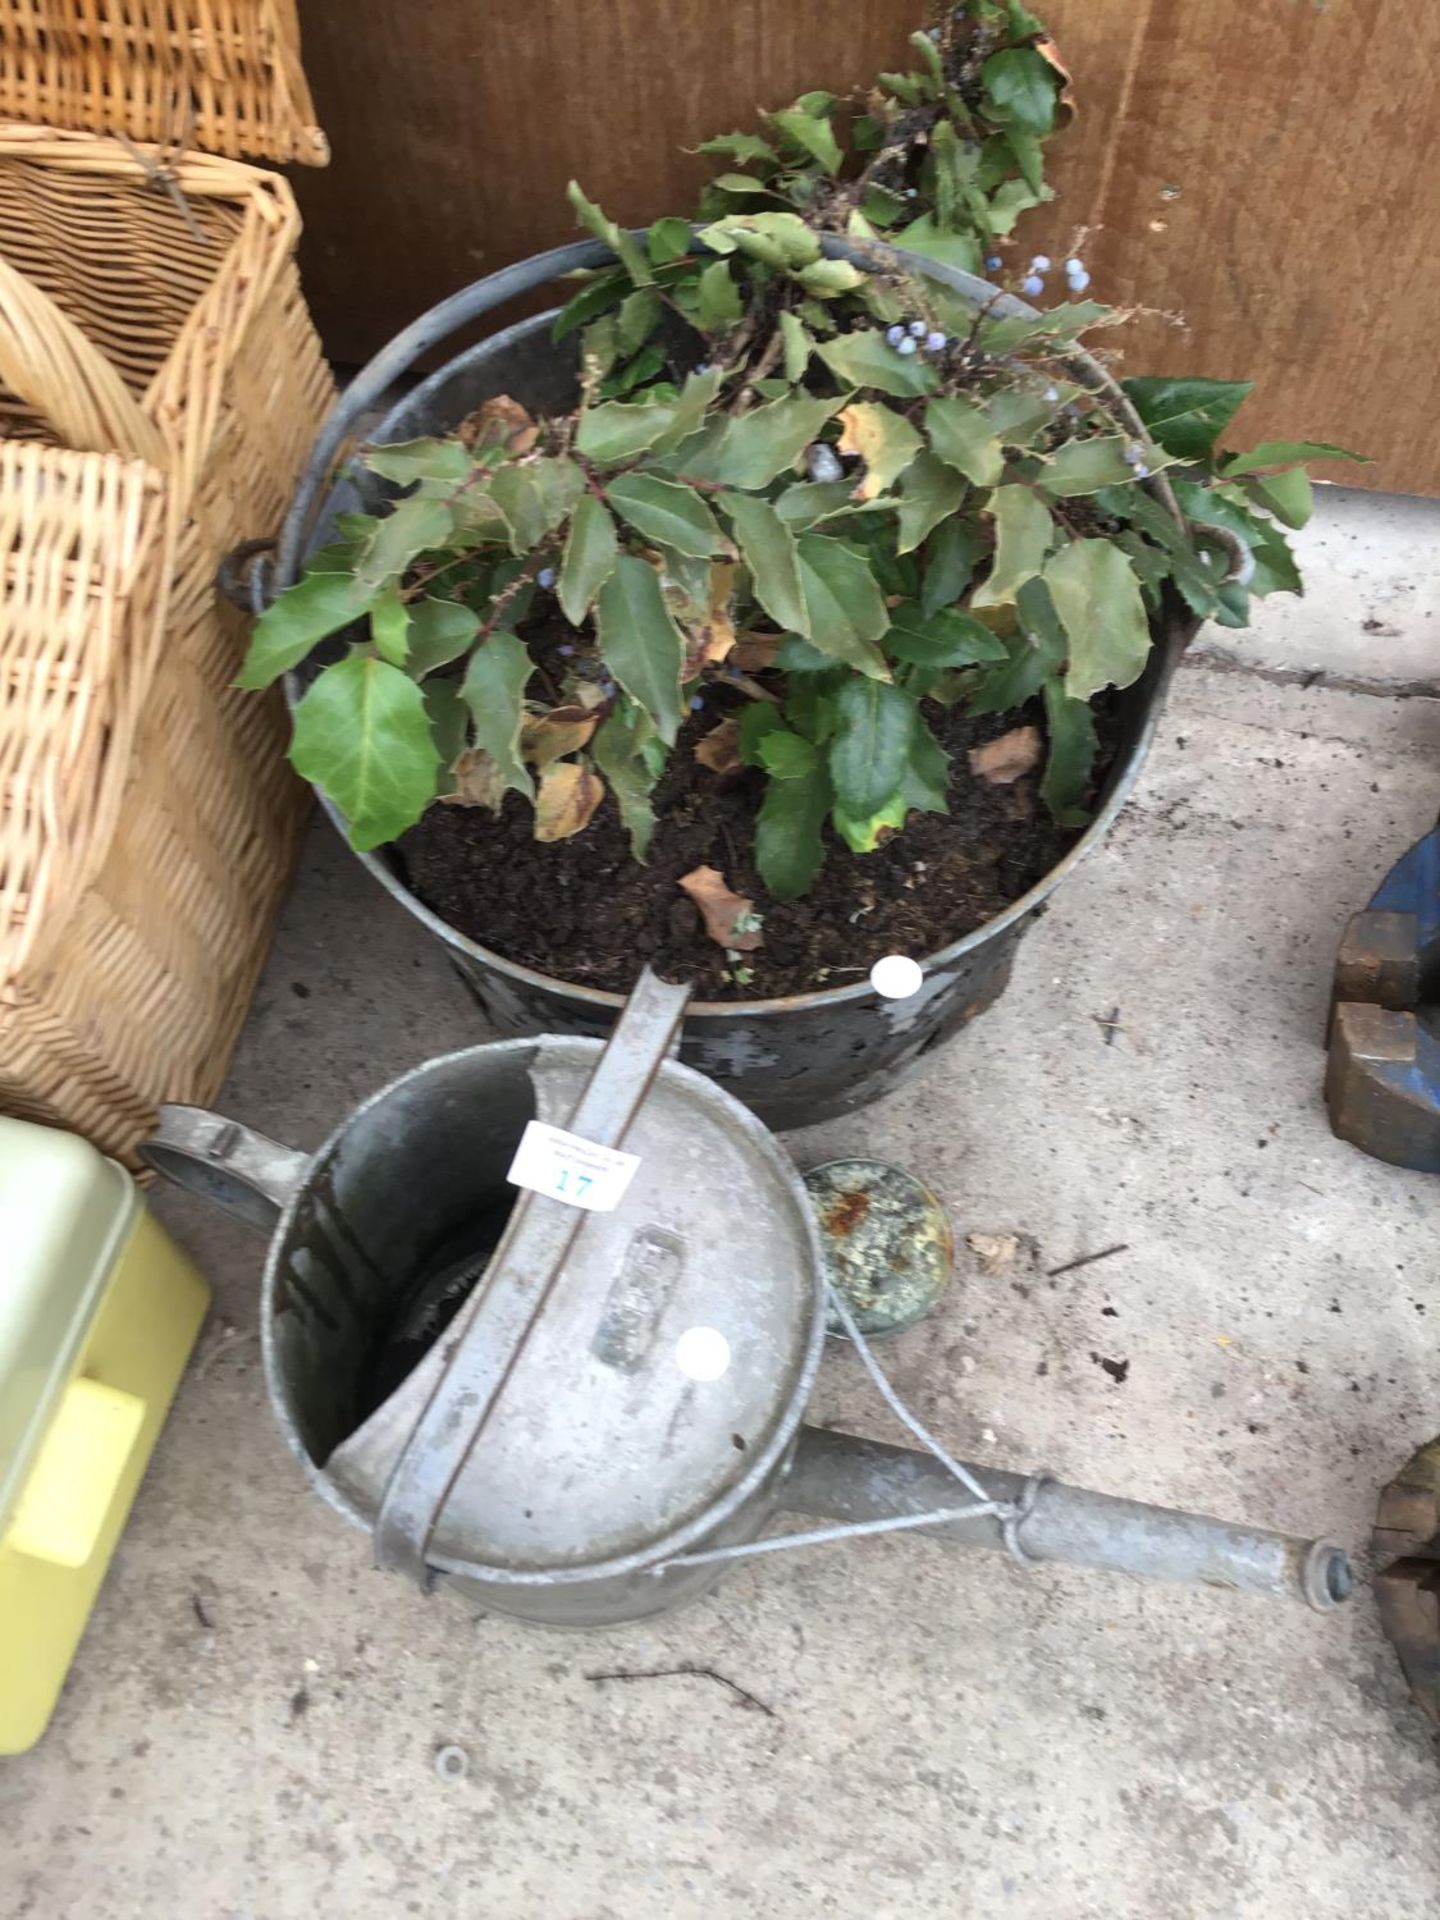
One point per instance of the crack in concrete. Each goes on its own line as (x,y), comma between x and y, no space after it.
(1313,679)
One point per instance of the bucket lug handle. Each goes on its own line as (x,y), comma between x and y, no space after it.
(246,1173)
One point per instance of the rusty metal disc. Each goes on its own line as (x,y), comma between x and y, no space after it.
(888,1245)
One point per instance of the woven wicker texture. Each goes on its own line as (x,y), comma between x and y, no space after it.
(147,817)
(221,75)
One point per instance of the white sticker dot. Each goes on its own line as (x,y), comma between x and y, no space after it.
(702,1353)
(896,976)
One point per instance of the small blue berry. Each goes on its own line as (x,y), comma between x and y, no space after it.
(911,193)
(895,334)
(545,577)
(704,367)
(607,685)
(907,345)
(697,702)
(565,652)
(936,342)
(1135,454)
(1033,285)
(1052,394)
(934,32)
(1142,472)
(918,329)
(1079,281)
(1040,264)
(822,462)
(1074,266)
(994,263)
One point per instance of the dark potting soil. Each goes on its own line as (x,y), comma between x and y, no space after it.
(586,912)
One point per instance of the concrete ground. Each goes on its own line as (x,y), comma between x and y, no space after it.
(251,1724)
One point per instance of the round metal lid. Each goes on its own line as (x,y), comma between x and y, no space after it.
(667,1372)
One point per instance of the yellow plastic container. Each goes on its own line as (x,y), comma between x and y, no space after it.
(99,1310)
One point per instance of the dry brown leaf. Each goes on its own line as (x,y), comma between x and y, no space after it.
(1002,761)
(754,652)
(752,689)
(865,432)
(568,797)
(478,781)
(1067,103)
(994,1252)
(721,909)
(720,748)
(501,422)
(709,641)
(547,737)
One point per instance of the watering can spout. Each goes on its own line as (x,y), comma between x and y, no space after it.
(245,1172)
(840,1477)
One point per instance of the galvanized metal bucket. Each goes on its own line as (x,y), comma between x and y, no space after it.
(577,1417)
(793,1061)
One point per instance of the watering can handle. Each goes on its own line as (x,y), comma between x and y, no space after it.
(245,1172)
(492,1328)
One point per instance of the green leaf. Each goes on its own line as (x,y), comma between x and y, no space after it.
(875,725)
(1186,415)
(664,510)
(796,655)
(768,549)
(788,849)
(1073,746)
(758,445)
(758,719)
(1022,86)
(690,407)
(640,643)
(639,312)
(815,135)
(863,832)
(863,359)
(845,609)
(1084,466)
(802,505)
(1276,453)
(743,183)
(1009,202)
(1289,495)
(1097,597)
(1060,324)
(962,437)
(591,549)
(667,240)
(718,304)
(535,498)
(409,460)
(449,720)
(930,491)
(440,631)
(1226,506)
(1037,653)
(744,147)
(618,750)
(926,783)
(390,626)
(827,278)
(945,638)
(307,613)
(630,252)
(931,241)
(1023,531)
(1017,415)
(601,292)
(777,239)
(406,532)
(798,346)
(618,430)
(494,691)
(786,755)
(362,735)
(951,555)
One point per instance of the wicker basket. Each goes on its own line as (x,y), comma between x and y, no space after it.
(147,818)
(224,77)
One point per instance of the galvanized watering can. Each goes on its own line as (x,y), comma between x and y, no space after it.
(579,1416)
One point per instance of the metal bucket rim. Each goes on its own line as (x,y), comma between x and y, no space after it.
(757,1470)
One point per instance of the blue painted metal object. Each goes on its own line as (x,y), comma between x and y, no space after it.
(1382,1082)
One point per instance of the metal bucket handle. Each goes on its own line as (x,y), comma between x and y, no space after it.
(246,1173)
(507,1304)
